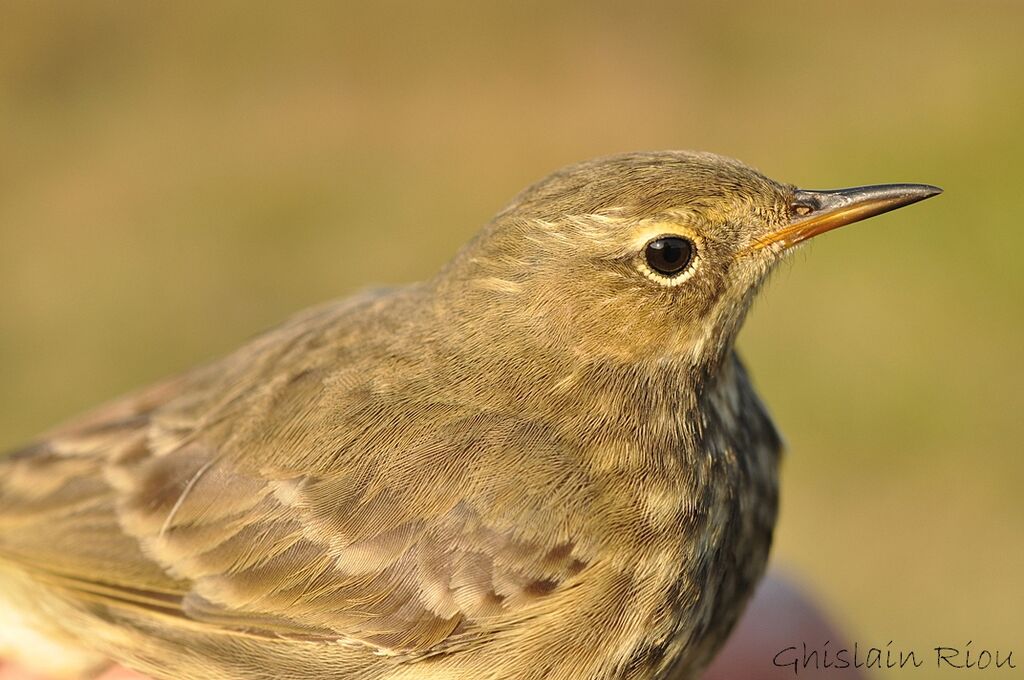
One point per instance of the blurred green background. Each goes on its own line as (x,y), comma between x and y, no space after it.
(175,177)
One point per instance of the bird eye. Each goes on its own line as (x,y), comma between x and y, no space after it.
(669,255)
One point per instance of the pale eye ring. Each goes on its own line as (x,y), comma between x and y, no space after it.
(669,256)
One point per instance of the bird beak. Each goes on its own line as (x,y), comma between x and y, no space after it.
(820,211)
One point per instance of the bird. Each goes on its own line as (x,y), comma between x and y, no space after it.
(547,462)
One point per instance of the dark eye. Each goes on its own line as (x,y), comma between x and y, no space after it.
(669,255)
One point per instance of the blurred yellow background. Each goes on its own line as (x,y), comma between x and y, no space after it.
(175,177)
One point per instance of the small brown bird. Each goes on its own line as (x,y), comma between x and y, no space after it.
(547,462)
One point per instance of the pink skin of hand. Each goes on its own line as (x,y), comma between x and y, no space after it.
(781,615)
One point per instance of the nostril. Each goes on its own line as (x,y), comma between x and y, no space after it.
(804,203)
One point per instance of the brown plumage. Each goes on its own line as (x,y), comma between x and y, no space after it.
(545,463)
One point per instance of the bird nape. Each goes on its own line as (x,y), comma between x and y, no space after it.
(547,462)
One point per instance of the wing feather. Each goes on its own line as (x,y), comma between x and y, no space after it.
(290,491)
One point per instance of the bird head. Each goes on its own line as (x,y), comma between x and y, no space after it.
(643,257)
